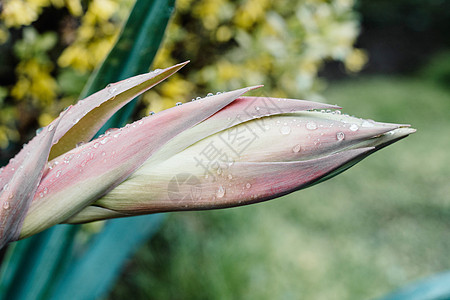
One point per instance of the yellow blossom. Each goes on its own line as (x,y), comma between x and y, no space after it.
(356,60)
(17,13)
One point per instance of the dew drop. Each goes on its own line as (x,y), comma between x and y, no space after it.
(96,145)
(209,94)
(218,93)
(58,174)
(220,192)
(340,136)
(11,196)
(140,123)
(353,127)
(151,113)
(296,148)
(285,130)
(111,89)
(367,124)
(75,121)
(39,130)
(198,98)
(248,185)
(104,141)
(230,176)
(68,157)
(311,126)
(6,205)
(51,127)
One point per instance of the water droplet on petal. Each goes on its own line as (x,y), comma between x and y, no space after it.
(51,127)
(198,98)
(6,205)
(58,174)
(104,141)
(220,192)
(209,94)
(285,130)
(178,103)
(230,176)
(39,130)
(75,121)
(354,127)
(248,185)
(111,89)
(367,124)
(96,145)
(218,93)
(151,113)
(68,157)
(340,136)
(311,125)
(296,148)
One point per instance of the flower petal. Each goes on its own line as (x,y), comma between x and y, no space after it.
(17,194)
(242,183)
(239,111)
(85,173)
(86,117)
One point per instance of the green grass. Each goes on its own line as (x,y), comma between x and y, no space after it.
(379,225)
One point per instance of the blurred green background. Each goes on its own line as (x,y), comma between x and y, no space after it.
(377,227)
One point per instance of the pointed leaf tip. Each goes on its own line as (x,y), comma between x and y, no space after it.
(87,116)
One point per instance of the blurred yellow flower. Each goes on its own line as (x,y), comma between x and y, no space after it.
(356,60)
(18,12)
(35,82)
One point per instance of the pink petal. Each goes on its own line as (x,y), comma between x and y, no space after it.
(86,117)
(88,172)
(242,183)
(241,110)
(17,194)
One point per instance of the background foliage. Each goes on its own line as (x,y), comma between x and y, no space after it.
(50,47)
